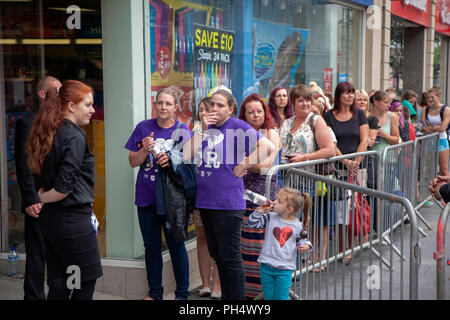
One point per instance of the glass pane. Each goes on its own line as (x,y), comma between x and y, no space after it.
(397,49)
(39,38)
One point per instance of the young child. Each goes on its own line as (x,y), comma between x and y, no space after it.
(282,240)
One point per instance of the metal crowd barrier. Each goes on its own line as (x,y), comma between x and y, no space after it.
(365,275)
(342,172)
(397,169)
(404,171)
(426,159)
(439,255)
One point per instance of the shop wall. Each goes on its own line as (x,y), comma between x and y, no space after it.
(124,96)
(414,59)
(373,46)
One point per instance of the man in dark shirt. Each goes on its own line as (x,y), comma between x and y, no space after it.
(34,242)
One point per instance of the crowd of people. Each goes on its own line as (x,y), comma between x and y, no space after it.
(246,248)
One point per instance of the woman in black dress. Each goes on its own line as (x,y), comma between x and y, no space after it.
(64,169)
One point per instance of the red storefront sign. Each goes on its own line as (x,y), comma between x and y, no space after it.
(417,11)
(442,22)
(328,80)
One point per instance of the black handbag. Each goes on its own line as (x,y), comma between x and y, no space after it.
(175,202)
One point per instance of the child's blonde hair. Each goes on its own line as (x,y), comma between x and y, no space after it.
(298,200)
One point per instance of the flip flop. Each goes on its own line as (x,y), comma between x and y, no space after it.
(347,259)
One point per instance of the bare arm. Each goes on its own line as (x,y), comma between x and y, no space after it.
(138,158)
(264,149)
(273,136)
(51,196)
(325,146)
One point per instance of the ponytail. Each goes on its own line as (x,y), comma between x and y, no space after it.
(47,122)
(50,118)
(306,208)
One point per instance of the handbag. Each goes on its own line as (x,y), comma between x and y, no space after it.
(324,169)
(359,215)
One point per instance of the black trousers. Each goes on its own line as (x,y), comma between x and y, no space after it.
(33,285)
(223,235)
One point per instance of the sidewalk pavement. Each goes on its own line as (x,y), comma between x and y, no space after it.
(12,289)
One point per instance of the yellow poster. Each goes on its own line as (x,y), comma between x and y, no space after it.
(172,37)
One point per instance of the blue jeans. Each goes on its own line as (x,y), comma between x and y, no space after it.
(151,225)
(275,282)
(223,235)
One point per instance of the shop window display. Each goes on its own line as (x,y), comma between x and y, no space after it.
(273,43)
(37,39)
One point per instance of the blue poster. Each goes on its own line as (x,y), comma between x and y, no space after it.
(277,52)
(343,77)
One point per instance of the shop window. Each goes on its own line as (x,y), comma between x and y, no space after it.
(250,47)
(39,38)
(284,42)
(396,57)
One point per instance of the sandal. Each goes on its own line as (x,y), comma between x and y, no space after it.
(321,269)
(347,259)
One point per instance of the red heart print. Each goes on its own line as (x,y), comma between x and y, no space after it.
(282,235)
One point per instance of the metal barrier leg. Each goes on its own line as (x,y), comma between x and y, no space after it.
(377,254)
(425,222)
(396,250)
(423,233)
(438,203)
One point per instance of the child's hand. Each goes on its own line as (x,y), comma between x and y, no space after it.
(303,248)
(266,207)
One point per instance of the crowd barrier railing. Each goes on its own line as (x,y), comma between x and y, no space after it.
(402,170)
(397,169)
(440,255)
(426,159)
(341,281)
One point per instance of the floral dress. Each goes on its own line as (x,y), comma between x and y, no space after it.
(299,142)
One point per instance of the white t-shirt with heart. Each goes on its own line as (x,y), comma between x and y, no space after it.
(280,242)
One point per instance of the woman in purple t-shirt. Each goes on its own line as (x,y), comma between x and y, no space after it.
(219,150)
(148,144)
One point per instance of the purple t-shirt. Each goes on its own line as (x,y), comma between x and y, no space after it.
(222,149)
(164,141)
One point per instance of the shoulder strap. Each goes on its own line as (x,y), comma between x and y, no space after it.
(312,126)
(441,113)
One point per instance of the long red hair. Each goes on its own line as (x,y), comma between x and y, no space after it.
(268,120)
(50,118)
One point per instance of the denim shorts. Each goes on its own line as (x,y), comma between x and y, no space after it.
(443,145)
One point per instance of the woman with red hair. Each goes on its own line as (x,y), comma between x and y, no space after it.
(59,156)
(255,112)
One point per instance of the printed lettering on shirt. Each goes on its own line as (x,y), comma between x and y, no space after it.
(212,160)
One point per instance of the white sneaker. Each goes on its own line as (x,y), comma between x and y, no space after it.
(204,292)
(216,295)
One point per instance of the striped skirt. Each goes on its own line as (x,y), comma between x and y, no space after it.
(251,244)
